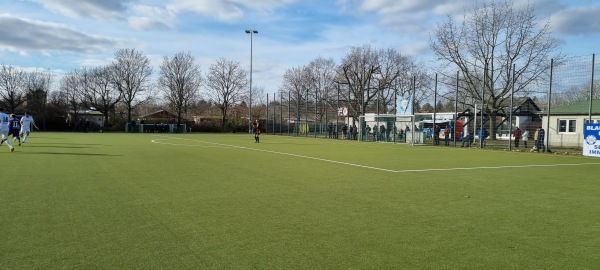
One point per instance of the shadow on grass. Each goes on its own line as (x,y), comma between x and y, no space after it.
(52,146)
(72,154)
(36,144)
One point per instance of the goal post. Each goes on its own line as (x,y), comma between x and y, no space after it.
(388,128)
(155,128)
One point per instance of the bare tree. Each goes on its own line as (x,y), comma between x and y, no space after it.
(296,82)
(37,87)
(573,95)
(71,93)
(357,79)
(12,87)
(130,75)
(395,78)
(57,98)
(101,93)
(180,79)
(495,41)
(369,75)
(259,101)
(322,83)
(225,83)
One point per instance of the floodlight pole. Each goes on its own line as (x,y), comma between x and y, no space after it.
(251,32)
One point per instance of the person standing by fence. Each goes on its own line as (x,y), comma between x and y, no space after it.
(525,138)
(350,133)
(517,135)
(436,135)
(539,141)
(483,134)
(447,135)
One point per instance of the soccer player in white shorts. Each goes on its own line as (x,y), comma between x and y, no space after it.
(26,122)
(4,128)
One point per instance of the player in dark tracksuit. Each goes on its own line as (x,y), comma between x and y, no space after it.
(15,128)
(256,129)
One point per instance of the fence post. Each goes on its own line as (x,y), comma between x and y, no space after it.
(592,88)
(547,133)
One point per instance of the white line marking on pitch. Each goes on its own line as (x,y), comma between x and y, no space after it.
(497,167)
(180,144)
(376,168)
(287,154)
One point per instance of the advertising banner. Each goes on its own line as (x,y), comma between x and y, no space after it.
(591,140)
(404,106)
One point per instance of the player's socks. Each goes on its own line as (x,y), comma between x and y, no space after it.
(9,144)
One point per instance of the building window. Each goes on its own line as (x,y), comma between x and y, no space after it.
(567,126)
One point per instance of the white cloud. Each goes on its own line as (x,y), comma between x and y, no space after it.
(95,9)
(227,11)
(94,62)
(581,21)
(264,5)
(409,16)
(222,10)
(403,7)
(152,18)
(45,37)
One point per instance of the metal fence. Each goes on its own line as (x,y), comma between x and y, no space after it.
(559,103)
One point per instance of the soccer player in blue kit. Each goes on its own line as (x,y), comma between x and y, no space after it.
(4,128)
(15,128)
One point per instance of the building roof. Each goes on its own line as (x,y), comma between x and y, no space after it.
(160,114)
(521,107)
(579,108)
(87,112)
(527,106)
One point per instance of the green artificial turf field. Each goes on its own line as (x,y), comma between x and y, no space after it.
(221,201)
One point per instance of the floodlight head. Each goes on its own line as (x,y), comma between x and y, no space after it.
(251,32)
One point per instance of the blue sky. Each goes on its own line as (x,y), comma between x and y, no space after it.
(63,35)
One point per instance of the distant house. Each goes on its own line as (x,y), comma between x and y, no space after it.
(525,113)
(95,118)
(566,123)
(158,121)
(160,116)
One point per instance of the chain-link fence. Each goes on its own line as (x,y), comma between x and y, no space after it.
(545,114)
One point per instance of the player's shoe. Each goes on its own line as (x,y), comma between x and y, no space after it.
(19,142)
(12,149)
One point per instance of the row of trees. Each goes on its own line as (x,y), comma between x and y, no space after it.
(497,48)
(126,83)
(23,90)
(364,75)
